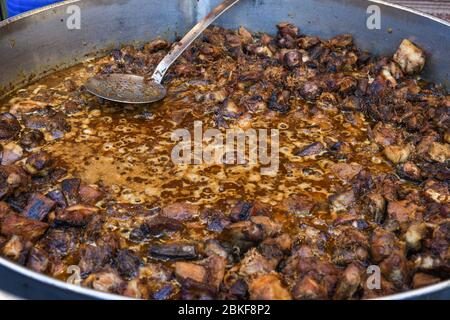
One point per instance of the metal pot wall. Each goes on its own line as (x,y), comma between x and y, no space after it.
(37,43)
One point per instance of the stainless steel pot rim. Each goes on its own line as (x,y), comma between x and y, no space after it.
(410,294)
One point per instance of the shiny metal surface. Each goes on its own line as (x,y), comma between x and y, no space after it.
(126,88)
(34,44)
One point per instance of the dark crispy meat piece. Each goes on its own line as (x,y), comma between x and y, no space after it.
(60,243)
(279,102)
(58,197)
(32,139)
(38,260)
(93,258)
(241,211)
(75,216)
(38,207)
(13,180)
(156,227)
(70,189)
(28,229)
(410,171)
(172,252)
(9,126)
(38,162)
(127,263)
(311,150)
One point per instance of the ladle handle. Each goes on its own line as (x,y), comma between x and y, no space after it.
(190,37)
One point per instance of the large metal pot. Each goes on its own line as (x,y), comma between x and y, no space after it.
(37,43)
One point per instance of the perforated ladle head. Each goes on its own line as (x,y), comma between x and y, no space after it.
(130,88)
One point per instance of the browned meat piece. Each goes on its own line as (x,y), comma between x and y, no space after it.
(4,210)
(293,58)
(385,134)
(11,153)
(189,270)
(93,258)
(241,211)
(401,214)
(13,180)
(192,290)
(298,204)
(414,235)
(157,227)
(70,189)
(288,29)
(274,249)
(307,288)
(410,171)
(310,90)
(345,171)
(9,126)
(440,240)
(52,121)
(311,150)
(32,139)
(60,243)
(181,211)
(410,57)
(75,216)
(268,287)
(38,162)
(436,191)
(38,207)
(58,197)
(395,269)
(382,244)
(215,220)
(28,229)
(351,245)
(350,281)
(156,45)
(341,201)
(439,152)
(127,263)
(15,249)
(254,264)
(172,252)
(279,101)
(90,194)
(38,260)
(106,281)
(397,154)
(422,280)
(376,206)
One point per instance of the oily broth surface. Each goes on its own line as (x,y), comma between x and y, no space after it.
(127,148)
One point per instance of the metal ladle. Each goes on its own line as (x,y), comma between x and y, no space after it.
(130,88)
